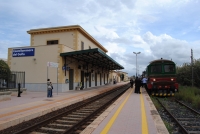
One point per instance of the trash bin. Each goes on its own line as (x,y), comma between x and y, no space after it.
(114,82)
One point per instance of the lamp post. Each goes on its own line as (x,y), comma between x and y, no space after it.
(136,60)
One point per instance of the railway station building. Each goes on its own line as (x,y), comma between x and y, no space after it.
(67,55)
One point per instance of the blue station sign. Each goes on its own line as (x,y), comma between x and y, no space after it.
(23,52)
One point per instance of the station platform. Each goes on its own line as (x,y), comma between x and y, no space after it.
(131,114)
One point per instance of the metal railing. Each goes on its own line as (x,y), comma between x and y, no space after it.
(11,80)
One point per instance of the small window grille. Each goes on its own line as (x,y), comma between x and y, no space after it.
(52,42)
(82,45)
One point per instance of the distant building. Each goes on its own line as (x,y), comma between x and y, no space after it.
(125,75)
(113,76)
(66,55)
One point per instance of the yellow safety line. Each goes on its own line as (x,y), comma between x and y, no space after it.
(110,123)
(144,119)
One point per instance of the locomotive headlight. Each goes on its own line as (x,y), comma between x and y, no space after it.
(172,79)
(154,79)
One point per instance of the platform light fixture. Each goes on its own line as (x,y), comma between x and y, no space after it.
(136,53)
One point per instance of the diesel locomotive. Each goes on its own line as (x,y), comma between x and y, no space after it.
(161,76)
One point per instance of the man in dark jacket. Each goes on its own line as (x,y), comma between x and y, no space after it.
(137,85)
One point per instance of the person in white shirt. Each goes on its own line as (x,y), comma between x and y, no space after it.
(144,81)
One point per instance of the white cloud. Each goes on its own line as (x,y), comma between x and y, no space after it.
(161,46)
(167,47)
(153,40)
(156,28)
(114,48)
(108,33)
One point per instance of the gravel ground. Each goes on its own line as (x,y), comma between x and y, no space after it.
(169,123)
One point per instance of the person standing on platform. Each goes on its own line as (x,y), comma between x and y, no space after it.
(49,88)
(144,81)
(137,85)
(131,81)
(48,83)
(51,94)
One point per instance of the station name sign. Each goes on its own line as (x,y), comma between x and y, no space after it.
(23,52)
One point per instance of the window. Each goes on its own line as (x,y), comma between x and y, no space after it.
(156,69)
(169,68)
(52,42)
(82,45)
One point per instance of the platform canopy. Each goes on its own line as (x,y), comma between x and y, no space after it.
(95,57)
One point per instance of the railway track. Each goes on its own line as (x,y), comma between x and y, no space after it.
(78,116)
(186,119)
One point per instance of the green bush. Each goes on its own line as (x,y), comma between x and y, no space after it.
(196,102)
(4,70)
(184,74)
(190,95)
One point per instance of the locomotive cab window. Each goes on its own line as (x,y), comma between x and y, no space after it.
(169,68)
(156,69)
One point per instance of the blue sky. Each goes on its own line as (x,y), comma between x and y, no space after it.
(156,28)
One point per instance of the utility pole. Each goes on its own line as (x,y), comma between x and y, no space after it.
(136,53)
(192,67)
(138,70)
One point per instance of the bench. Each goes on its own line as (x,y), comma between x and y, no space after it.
(5,95)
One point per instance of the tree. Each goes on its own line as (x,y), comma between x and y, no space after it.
(4,70)
(184,74)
